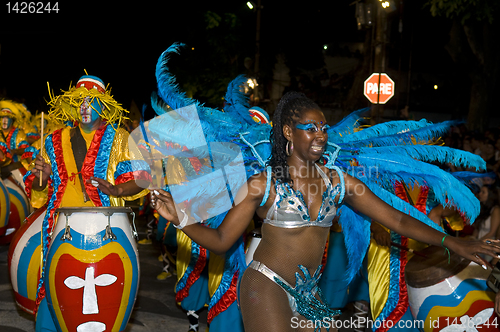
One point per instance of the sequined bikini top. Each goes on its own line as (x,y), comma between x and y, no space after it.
(290,211)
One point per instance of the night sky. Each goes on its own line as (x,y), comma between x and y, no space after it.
(122,44)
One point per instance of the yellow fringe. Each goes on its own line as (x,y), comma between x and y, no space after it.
(66,107)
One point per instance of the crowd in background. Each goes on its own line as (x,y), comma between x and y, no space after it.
(487,145)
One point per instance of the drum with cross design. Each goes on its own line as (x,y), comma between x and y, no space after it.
(92,269)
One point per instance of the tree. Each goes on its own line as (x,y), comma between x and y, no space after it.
(474,47)
(214,56)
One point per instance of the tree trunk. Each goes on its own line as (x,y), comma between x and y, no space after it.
(475,49)
(478,115)
(355,99)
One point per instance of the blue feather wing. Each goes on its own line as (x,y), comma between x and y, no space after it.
(396,133)
(427,153)
(447,189)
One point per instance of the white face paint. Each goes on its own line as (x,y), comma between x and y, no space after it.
(6,122)
(86,111)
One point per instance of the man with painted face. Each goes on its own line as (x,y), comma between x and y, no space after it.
(90,183)
(85,165)
(13,136)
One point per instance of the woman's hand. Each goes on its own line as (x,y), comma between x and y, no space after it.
(163,203)
(471,249)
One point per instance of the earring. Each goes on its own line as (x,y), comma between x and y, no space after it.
(289,148)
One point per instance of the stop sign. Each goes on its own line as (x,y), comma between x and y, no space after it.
(375,85)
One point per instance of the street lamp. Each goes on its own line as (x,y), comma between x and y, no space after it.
(388,5)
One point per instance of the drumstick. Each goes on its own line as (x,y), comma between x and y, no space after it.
(41,147)
(407,249)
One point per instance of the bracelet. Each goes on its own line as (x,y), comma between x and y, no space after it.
(446,250)
(183,221)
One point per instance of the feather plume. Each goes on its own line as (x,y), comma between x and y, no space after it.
(397,133)
(448,190)
(428,153)
(236,101)
(168,89)
(347,125)
(356,231)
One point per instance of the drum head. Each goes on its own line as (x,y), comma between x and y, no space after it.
(424,272)
(106,210)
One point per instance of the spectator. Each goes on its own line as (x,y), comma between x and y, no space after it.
(488,222)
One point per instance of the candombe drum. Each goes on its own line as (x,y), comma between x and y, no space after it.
(254,238)
(19,209)
(450,296)
(92,269)
(24,260)
(4,208)
(18,176)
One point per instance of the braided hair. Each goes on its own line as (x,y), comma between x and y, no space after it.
(289,111)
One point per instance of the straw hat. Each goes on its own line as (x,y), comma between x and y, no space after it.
(66,107)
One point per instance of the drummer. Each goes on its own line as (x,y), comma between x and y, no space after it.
(85,165)
(10,120)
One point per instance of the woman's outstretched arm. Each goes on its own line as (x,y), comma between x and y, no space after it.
(220,239)
(359,197)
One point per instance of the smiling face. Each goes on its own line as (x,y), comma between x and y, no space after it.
(309,136)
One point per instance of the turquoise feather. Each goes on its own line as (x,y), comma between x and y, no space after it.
(396,133)
(448,190)
(428,153)
(347,125)
(168,89)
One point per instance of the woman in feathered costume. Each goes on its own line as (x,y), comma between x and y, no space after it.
(313,172)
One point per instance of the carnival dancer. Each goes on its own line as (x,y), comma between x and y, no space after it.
(5,155)
(50,125)
(298,195)
(12,134)
(85,165)
(29,123)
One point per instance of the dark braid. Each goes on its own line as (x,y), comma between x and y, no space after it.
(288,112)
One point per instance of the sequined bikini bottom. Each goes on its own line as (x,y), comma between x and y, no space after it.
(301,298)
